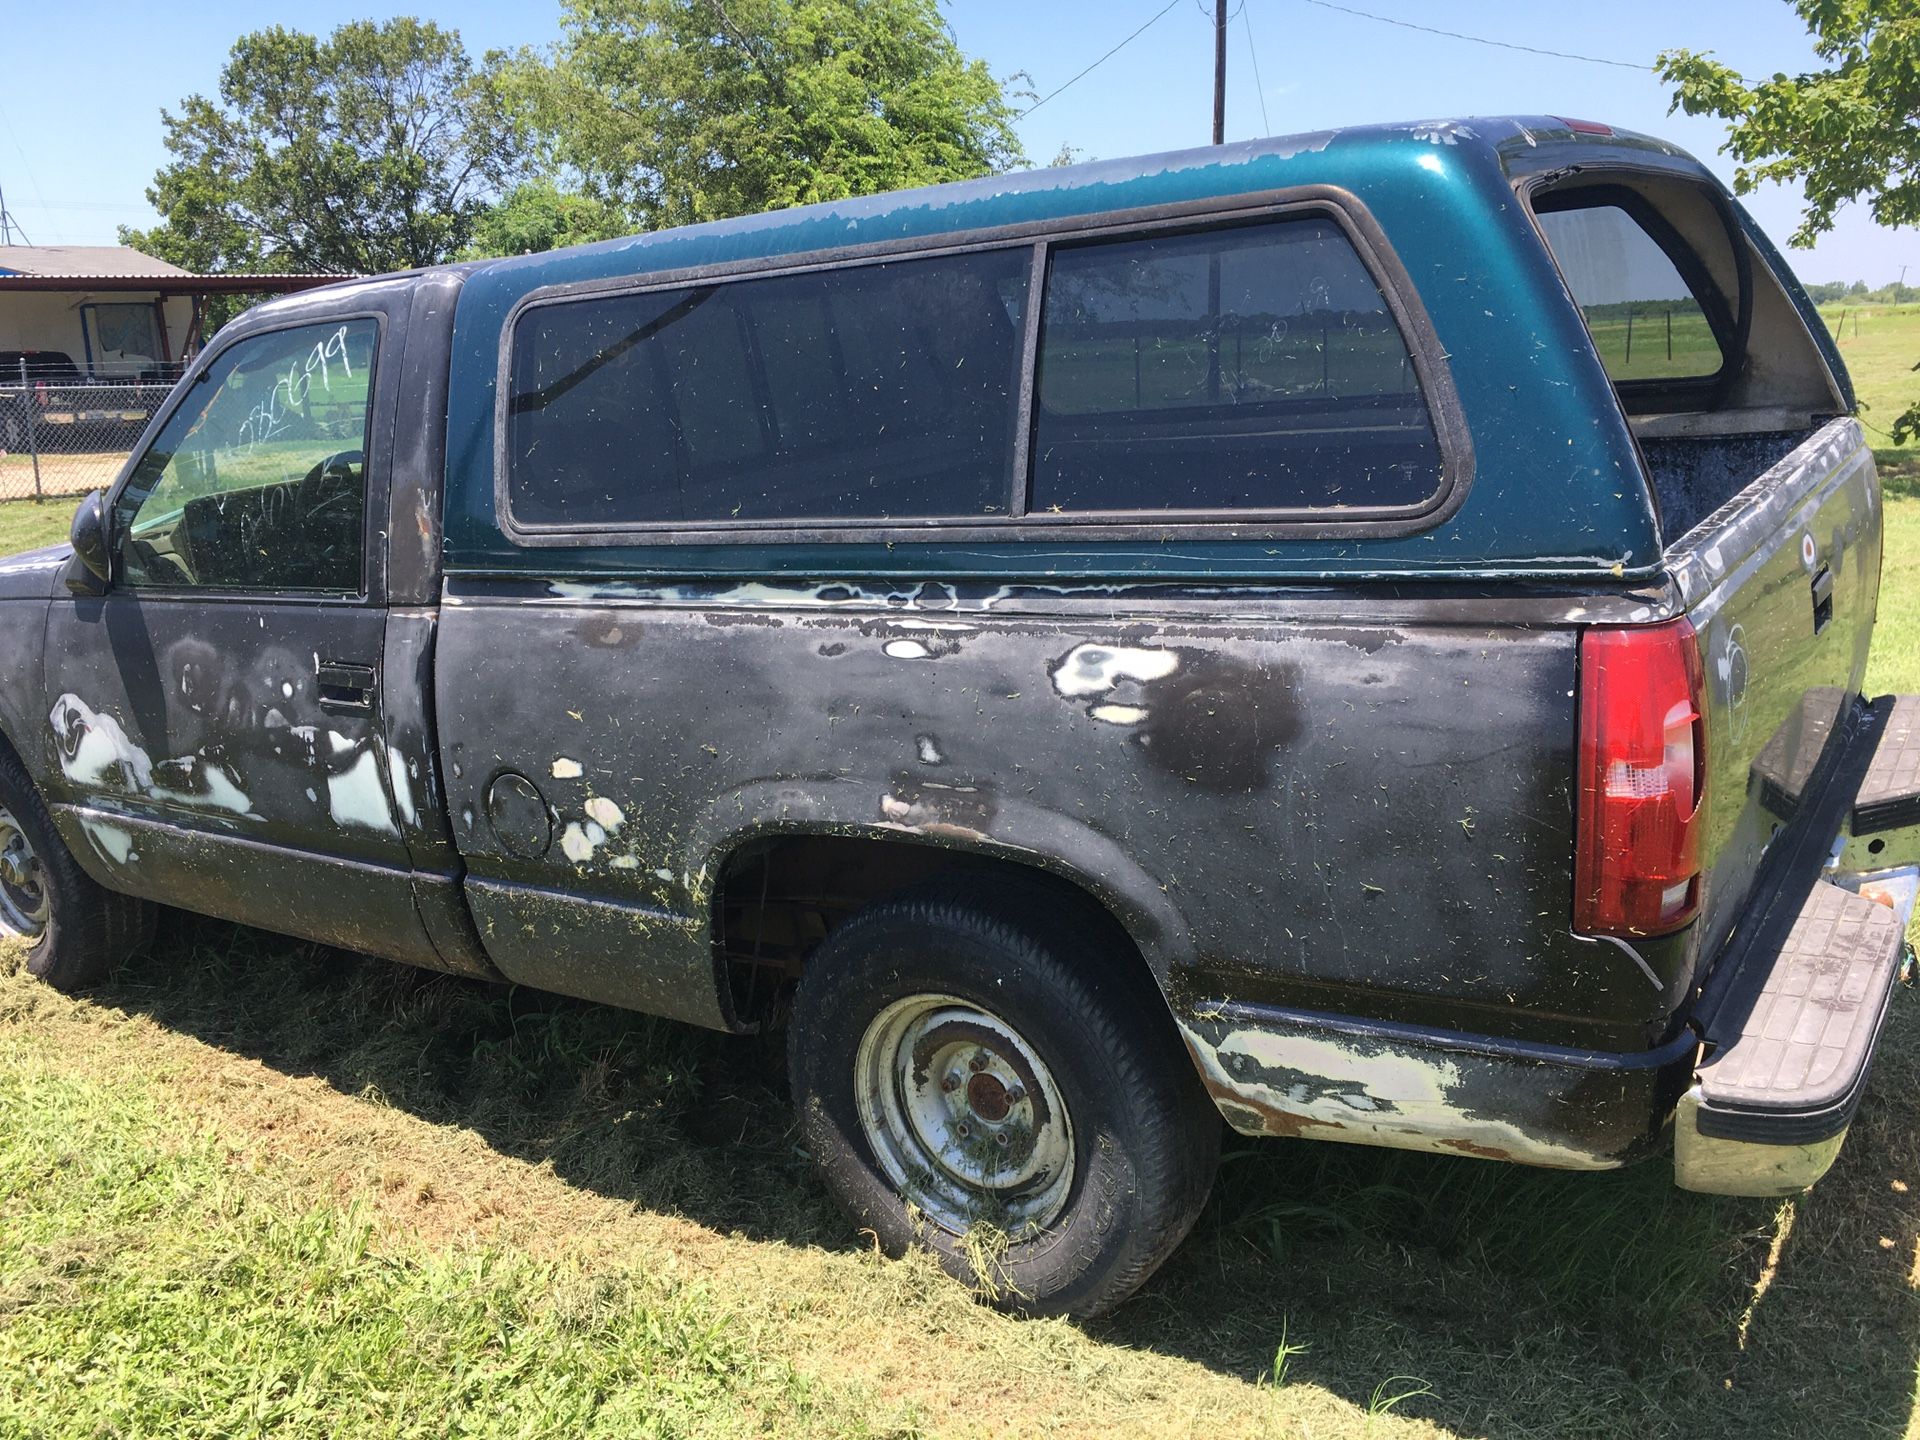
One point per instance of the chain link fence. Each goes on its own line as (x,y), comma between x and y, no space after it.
(66,435)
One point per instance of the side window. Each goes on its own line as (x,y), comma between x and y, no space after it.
(258,480)
(1250,368)
(882,391)
(1647,322)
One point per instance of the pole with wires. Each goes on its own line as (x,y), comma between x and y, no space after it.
(1219,72)
(10,227)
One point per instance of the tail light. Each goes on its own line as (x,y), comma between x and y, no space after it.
(1642,780)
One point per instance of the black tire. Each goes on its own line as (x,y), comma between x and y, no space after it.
(75,930)
(1143,1135)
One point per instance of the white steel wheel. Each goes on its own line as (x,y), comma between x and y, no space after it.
(963,1116)
(25,901)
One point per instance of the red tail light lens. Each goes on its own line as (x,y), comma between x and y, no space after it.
(1642,777)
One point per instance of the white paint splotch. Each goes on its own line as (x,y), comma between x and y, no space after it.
(111,841)
(580,839)
(1097,669)
(355,797)
(1327,1088)
(96,751)
(402,785)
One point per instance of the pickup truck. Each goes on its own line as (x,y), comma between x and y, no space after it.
(1359,634)
(44,395)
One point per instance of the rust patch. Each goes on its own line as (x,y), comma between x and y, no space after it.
(1474,1147)
(603,632)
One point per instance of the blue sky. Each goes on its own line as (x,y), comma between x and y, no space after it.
(80,133)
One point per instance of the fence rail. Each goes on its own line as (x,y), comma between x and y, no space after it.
(65,439)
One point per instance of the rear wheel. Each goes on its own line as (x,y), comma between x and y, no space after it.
(992,1078)
(74,930)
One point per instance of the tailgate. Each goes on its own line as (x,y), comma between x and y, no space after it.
(1781,585)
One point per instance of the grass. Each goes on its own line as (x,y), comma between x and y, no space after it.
(255,1186)
(30,524)
(1655,345)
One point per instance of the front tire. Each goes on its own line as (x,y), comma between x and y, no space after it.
(74,930)
(994,1077)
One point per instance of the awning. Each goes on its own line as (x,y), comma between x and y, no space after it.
(173,284)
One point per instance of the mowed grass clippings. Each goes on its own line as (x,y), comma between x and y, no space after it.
(146,1291)
(258,1187)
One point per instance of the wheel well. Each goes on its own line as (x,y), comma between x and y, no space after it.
(7,747)
(778,898)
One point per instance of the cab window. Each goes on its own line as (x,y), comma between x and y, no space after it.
(258,479)
(876,392)
(1255,367)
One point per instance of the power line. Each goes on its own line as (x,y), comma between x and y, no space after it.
(32,179)
(1479,39)
(1266,126)
(1101,61)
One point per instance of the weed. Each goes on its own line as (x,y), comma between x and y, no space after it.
(1283,1355)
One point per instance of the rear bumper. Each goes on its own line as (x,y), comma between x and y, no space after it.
(1793,1013)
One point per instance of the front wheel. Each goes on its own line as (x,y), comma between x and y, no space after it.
(73,929)
(995,1078)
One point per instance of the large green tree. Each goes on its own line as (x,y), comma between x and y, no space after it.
(377,148)
(1847,132)
(675,111)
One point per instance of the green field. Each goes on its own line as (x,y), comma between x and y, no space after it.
(1655,346)
(260,1188)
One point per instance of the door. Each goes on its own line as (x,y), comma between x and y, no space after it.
(216,717)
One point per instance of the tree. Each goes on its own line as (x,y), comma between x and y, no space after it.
(1845,133)
(379,148)
(538,215)
(674,111)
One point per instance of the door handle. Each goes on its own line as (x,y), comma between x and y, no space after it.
(1822,599)
(346,688)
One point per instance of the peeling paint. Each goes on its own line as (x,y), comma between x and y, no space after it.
(95,750)
(356,798)
(111,841)
(1277,1082)
(575,844)
(604,811)
(565,769)
(906,649)
(402,786)
(1096,669)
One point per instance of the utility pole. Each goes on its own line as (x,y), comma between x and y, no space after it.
(10,227)
(1219,72)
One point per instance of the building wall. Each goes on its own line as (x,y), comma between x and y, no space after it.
(51,320)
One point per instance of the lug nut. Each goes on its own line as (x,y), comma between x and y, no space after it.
(978,1062)
(951,1081)
(964,1131)
(1001,1140)
(1015,1094)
